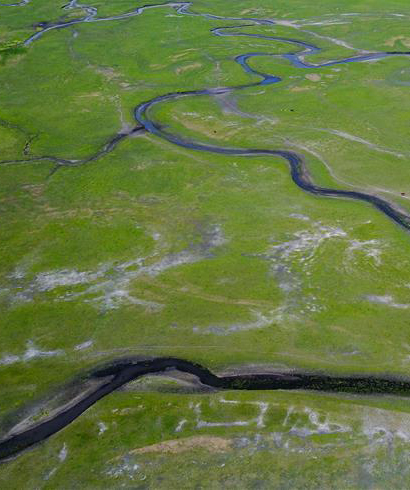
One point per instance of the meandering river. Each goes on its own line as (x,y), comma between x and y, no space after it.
(123,372)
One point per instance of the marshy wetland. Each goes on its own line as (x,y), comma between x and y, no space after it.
(205,217)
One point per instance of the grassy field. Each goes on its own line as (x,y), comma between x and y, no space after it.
(158,250)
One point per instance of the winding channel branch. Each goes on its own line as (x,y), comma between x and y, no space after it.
(107,148)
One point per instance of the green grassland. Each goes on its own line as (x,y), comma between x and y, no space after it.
(159,250)
(234,440)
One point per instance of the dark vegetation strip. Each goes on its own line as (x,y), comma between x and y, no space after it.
(123,372)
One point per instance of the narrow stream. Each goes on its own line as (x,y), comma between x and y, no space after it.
(296,57)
